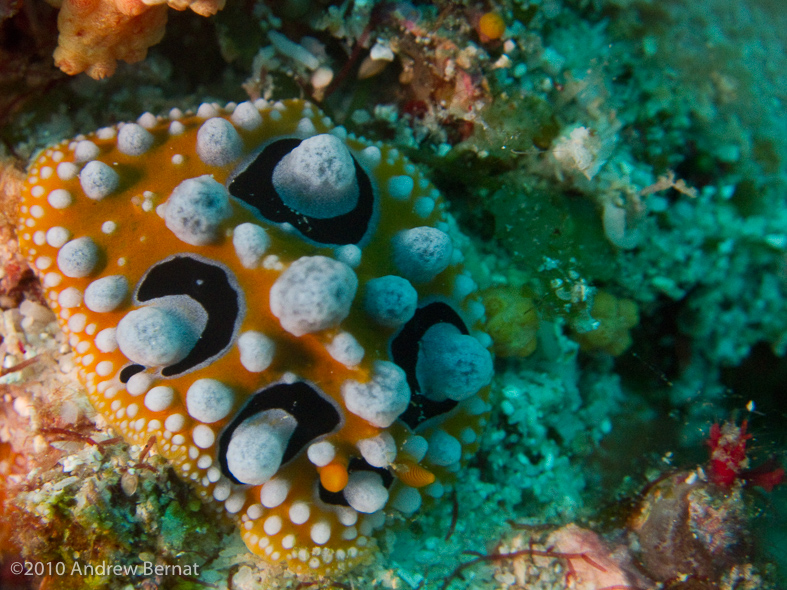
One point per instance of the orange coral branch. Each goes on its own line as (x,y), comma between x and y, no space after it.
(95,34)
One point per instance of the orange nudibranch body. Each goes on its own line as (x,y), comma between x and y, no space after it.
(281,304)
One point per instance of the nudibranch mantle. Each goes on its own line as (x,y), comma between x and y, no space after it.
(283,306)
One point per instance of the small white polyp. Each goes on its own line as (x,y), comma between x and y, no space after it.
(344,348)
(321,453)
(274,492)
(390,300)
(98,180)
(365,491)
(138,383)
(314,293)
(444,449)
(421,253)
(378,451)
(401,187)
(134,140)
(78,258)
(299,512)
(57,236)
(86,150)
(60,198)
(246,116)
(257,446)
(415,446)
(320,533)
(106,340)
(218,143)
(256,351)
(154,337)
(105,294)
(196,208)
(250,242)
(407,500)
(317,178)
(208,400)
(382,399)
(158,398)
(70,297)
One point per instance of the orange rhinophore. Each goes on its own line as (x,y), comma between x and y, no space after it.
(333,477)
(413,475)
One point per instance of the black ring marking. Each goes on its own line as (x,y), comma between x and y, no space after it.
(314,414)
(404,352)
(210,285)
(129,371)
(254,186)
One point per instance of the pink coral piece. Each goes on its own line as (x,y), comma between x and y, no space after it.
(600,566)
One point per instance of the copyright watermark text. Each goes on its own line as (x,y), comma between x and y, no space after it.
(59,568)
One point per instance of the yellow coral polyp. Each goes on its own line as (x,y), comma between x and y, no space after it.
(491,26)
(616,318)
(512,321)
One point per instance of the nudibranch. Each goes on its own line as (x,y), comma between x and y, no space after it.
(281,304)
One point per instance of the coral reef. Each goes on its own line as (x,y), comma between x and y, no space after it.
(569,557)
(606,161)
(74,493)
(689,527)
